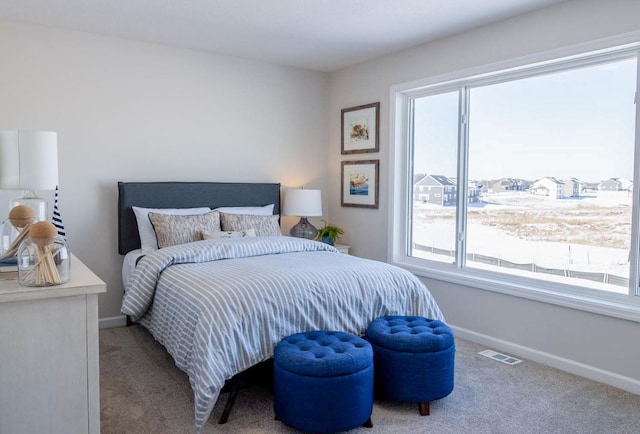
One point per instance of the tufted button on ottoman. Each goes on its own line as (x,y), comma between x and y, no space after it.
(413,358)
(323,381)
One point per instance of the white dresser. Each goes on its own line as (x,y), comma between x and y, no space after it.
(49,373)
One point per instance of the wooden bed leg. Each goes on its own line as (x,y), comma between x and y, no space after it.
(227,408)
(368,423)
(424,409)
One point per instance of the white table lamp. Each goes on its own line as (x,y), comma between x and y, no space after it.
(303,203)
(29,162)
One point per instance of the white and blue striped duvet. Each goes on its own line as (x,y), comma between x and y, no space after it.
(221,306)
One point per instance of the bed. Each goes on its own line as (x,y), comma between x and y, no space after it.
(220,305)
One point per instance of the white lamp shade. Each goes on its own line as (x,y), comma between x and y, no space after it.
(9,160)
(28,160)
(302,202)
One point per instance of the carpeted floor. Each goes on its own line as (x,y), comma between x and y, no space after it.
(141,391)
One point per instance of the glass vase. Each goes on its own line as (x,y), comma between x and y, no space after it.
(46,265)
(9,233)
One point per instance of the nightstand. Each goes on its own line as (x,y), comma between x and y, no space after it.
(342,248)
(49,345)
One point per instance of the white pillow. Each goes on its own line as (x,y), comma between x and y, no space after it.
(148,240)
(247,210)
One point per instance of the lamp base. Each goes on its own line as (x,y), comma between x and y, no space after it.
(304,229)
(36,203)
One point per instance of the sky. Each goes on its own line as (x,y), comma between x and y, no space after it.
(577,123)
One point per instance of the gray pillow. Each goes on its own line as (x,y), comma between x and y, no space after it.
(179,229)
(264,225)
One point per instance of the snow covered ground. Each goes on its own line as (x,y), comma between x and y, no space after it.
(589,234)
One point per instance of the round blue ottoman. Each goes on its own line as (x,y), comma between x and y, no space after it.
(413,358)
(323,381)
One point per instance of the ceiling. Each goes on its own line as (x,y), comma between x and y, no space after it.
(323,35)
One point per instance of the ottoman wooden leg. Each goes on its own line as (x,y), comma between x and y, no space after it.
(368,424)
(424,409)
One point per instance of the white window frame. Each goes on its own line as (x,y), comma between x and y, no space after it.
(401,171)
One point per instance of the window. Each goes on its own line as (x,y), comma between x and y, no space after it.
(532,170)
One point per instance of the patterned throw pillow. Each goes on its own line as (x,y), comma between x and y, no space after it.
(264,225)
(229,234)
(179,229)
(148,240)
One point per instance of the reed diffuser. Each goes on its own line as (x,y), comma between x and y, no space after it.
(43,258)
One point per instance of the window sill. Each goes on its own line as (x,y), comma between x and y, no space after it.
(613,305)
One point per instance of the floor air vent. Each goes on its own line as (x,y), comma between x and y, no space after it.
(500,357)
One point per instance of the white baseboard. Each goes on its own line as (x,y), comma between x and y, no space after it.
(114,321)
(616,380)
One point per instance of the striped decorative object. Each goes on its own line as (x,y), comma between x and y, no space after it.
(57,219)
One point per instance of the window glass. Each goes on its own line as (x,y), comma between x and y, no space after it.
(548,165)
(553,155)
(435,138)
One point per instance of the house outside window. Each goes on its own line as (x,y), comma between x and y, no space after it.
(522,140)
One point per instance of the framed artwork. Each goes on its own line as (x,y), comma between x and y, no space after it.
(360,129)
(359,185)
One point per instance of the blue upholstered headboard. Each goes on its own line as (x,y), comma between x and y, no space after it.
(185,195)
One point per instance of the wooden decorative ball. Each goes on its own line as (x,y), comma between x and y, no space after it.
(43,233)
(21,216)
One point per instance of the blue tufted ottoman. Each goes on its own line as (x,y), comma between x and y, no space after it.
(413,357)
(323,381)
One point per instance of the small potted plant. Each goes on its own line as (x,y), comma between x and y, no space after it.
(329,233)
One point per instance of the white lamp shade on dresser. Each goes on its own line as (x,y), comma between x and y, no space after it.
(28,160)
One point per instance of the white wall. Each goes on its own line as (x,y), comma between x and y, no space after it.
(132,111)
(600,347)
